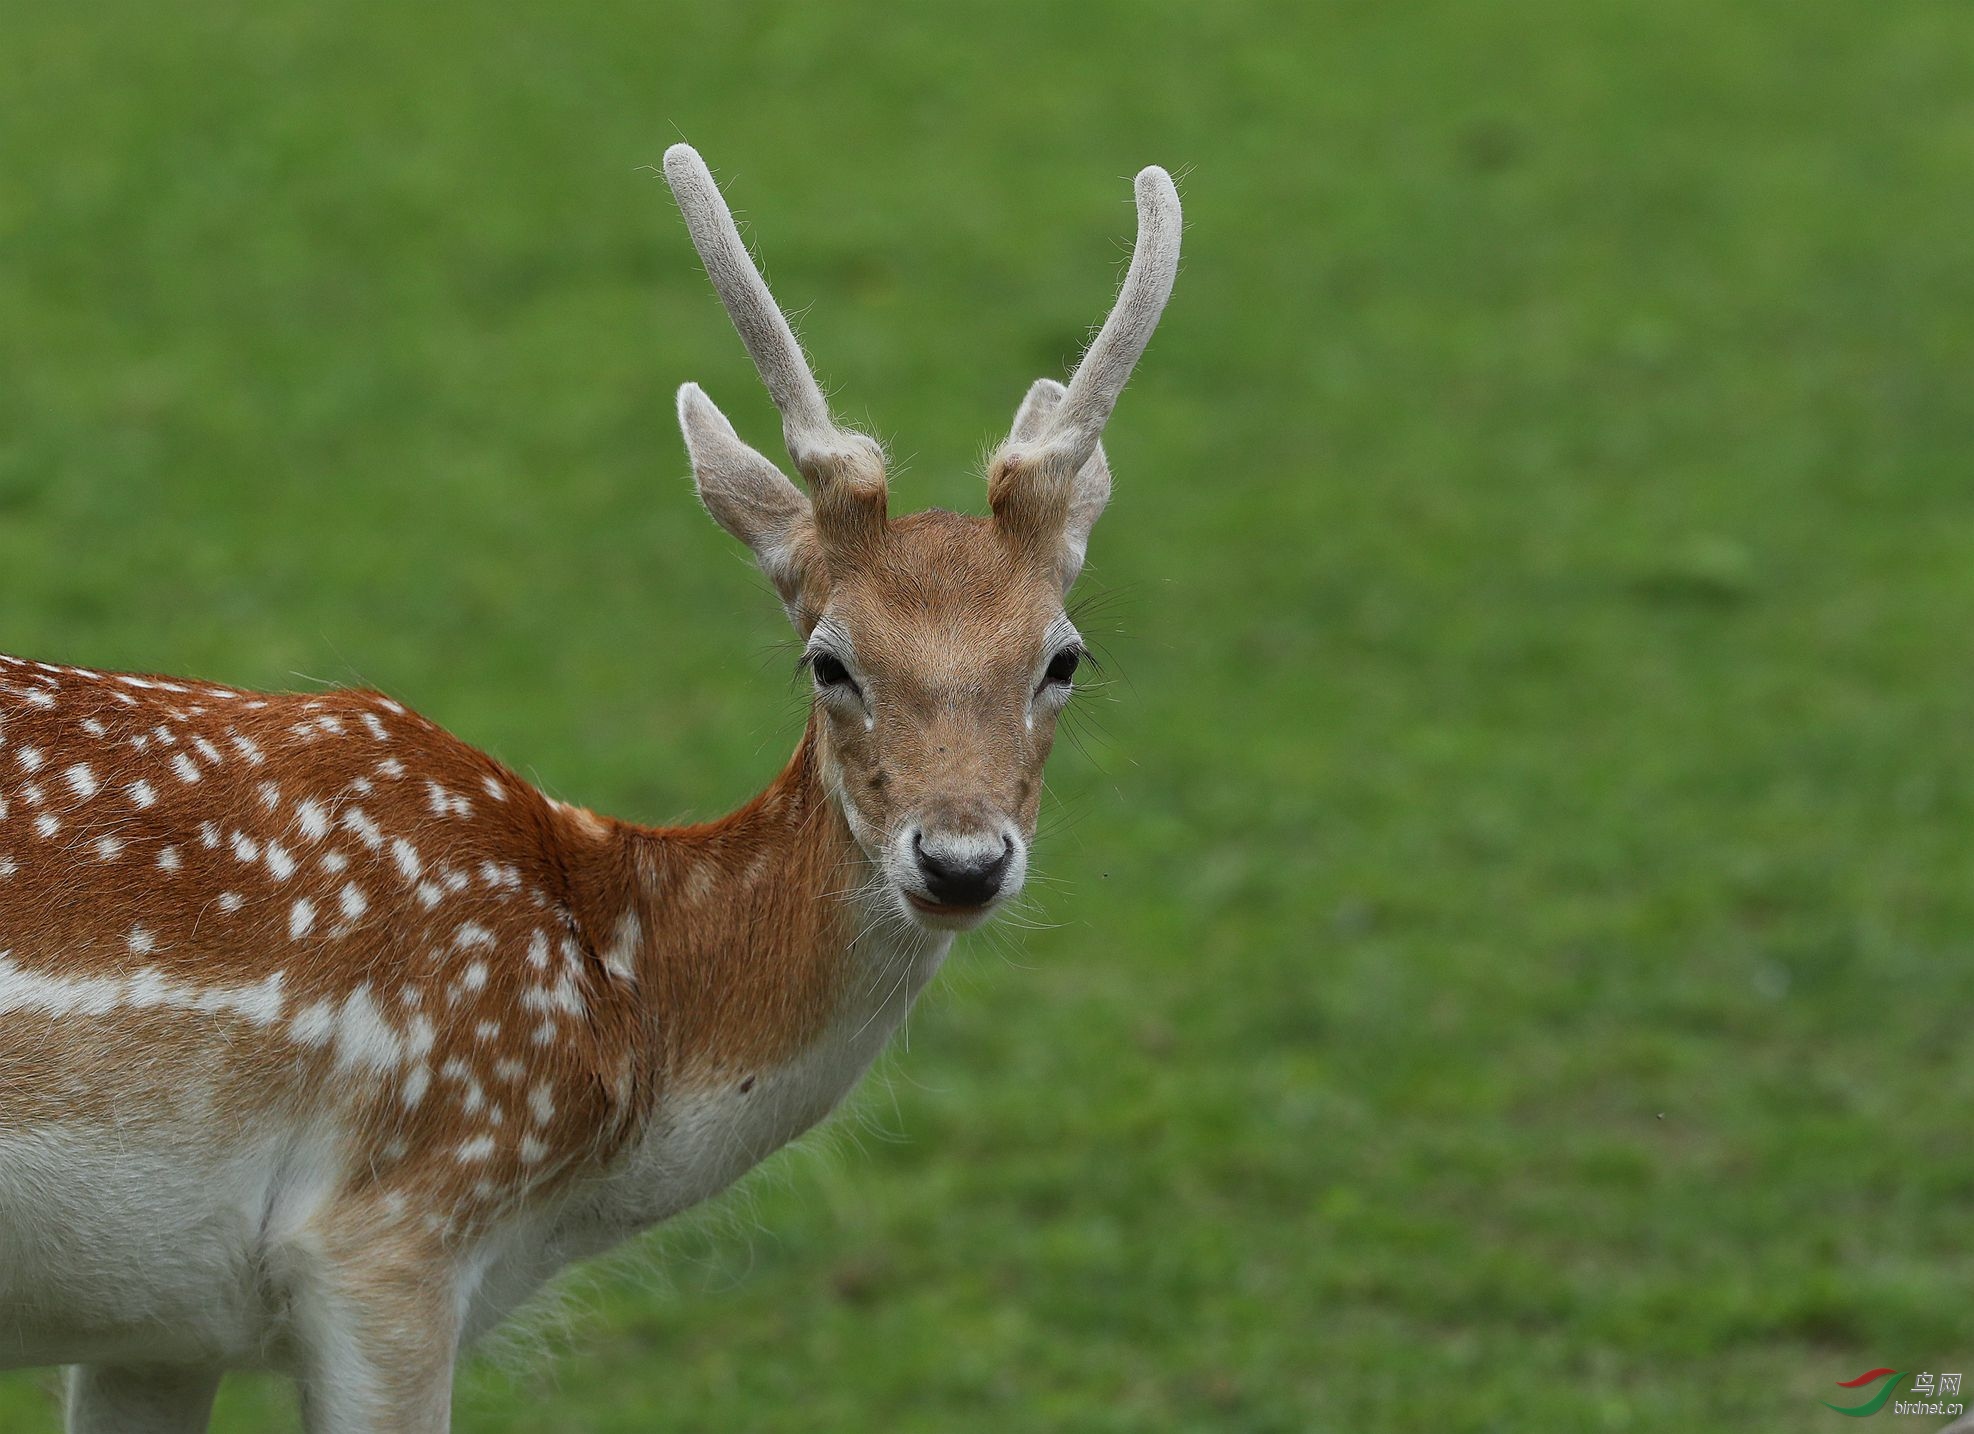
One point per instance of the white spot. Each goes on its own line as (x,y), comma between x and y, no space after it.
(108,848)
(472,934)
(335,863)
(93,727)
(301,916)
(315,1025)
(510,1070)
(142,793)
(168,859)
(391,767)
(245,847)
(246,748)
(208,751)
(541,1104)
(82,781)
(415,1085)
(446,803)
(478,1148)
(376,727)
(209,836)
(187,769)
(429,894)
(538,951)
(363,1037)
(313,818)
(38,698)
(406,856)
(30,758)
(46,825)
(7,866)
(487,1030)
(353,901)
(618,955)
(532,1150)
(229,901)
(565,996)
(270,795)
(500,877)
(358,821)
(494,788)
(475,976)
(280,861)
(141,941)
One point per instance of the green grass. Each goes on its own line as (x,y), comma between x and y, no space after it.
(1517,909)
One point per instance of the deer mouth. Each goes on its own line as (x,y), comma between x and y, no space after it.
(946,915)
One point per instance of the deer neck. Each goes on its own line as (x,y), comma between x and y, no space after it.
(771,971)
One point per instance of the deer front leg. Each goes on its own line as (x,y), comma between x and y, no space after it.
(148,1399)
(377,1332)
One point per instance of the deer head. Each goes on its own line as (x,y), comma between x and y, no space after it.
(938,643)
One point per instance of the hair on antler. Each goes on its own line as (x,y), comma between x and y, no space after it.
(1057,433)
(1106,366)
(823,452)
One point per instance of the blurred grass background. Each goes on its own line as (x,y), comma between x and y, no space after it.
(1513,959)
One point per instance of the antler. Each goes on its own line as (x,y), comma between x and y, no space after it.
(822,451)
(1078,422)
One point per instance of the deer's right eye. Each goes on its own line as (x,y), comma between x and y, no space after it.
(830,672)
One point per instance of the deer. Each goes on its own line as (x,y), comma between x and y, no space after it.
(327,1041)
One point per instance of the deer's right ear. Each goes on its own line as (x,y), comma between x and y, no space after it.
(751,498)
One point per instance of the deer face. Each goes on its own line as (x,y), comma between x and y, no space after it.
(938,645)
(940,664)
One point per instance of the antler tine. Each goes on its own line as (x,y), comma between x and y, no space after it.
(1106,367)
(819,448)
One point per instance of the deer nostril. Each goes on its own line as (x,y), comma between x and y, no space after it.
(962,876)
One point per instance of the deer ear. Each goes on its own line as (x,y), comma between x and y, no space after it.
(1089,491)
(750,497)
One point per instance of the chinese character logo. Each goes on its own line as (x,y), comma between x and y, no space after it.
(1877,1401)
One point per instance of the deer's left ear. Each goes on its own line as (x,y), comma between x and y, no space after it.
(1089,491)
(751,498)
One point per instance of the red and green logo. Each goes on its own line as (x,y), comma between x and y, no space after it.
(1893,1379)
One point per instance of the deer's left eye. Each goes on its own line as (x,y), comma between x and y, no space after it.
(1062,667)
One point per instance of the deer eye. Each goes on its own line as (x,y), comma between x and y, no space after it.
(1062,667)
(830,672)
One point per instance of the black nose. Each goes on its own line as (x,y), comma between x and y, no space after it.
(960,875)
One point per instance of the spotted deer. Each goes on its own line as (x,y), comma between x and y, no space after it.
(325,1039)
